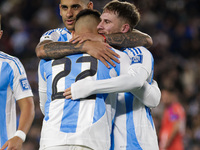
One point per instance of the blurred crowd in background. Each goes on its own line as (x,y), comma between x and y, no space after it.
(174,26)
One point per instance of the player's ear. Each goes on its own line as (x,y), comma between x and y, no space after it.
(1,33)
(90,5)
(60,9)
(125,28)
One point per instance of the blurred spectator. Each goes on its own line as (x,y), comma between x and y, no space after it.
(173,123)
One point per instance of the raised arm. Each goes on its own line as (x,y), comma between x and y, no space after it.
(53,50)
(130,39)
(119,40)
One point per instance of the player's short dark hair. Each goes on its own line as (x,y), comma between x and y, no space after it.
(87,12)
(124,10)
(85,1)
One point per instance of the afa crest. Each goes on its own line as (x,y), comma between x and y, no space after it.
(137,59)
(24,84)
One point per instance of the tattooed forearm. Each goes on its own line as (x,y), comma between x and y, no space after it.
(128,39)
(61,49)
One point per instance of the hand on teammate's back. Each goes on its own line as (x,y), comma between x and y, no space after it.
(101,52)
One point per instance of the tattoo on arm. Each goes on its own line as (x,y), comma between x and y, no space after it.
(61,49)
(127,39)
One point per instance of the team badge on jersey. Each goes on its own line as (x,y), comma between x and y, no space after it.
(137,59)
(24,84)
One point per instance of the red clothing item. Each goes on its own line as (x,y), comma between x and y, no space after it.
(172,114)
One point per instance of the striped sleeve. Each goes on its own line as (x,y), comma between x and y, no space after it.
(21,86)
(52,35)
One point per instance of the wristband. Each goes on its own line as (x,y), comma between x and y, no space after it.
(20,134)
(103,37)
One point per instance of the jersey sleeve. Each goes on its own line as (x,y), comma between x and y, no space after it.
(21,86)
(42,85)
(149,94)
(140,57)
(123,83)
(134,82)
(52,35)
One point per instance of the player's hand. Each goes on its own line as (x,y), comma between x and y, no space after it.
(14,143)
(80,89)
(101,51)
(67,93)
(87,37)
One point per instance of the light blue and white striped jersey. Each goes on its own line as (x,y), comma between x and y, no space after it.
(76,122)
(133,126)
(13,86)
(139,122)
(84,122)
(59,34)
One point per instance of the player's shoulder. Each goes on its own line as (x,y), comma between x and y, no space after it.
(119,52)
(13,62)
(8,58)
(123,56)
(59,34)
(137,50)
(58,31)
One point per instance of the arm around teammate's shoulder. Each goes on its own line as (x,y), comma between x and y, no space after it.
(129,39)
(40,50)
(146,39)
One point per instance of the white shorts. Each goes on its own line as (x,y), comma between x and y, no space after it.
(68,147)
